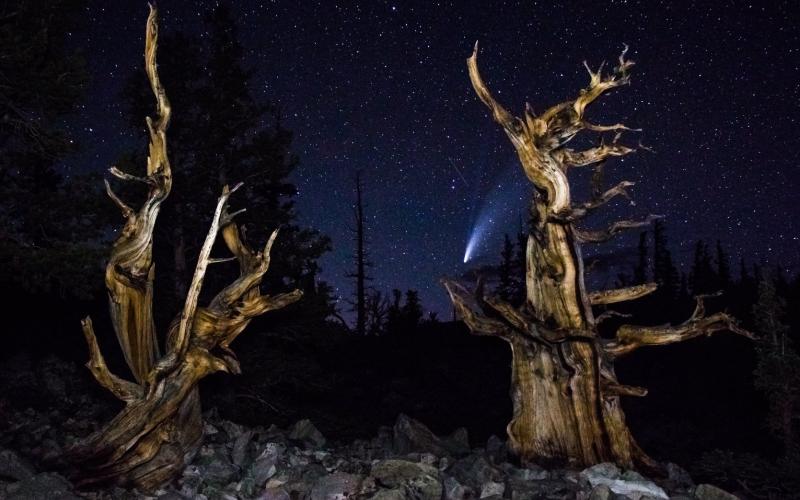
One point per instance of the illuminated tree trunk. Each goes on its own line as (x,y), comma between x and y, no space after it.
(160,428)
(564,390)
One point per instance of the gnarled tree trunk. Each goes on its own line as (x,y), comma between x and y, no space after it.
(564,389)
(160,428)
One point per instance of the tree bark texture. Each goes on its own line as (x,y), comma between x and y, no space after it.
(566,396)
(160,428)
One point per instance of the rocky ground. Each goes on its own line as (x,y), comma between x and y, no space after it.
(406,461)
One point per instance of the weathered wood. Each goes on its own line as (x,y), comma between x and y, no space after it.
(160,428)
(564,390)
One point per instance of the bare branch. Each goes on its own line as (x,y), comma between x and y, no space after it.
(611,388)
(467,309)
(119,174)
(187,315)
(509,122)
(592,156)
(574,213)
(599,84)
(122,389)
(621,294)
(126,210)
(606,315)
(630,337)
(598,236)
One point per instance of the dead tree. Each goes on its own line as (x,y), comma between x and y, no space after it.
(160,427)
(361,260)
(565,393)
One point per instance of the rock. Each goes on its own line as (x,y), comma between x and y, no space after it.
(418,480)
(277,493)
(265,466)
(389,495)
(678,478)
(305,432)
(492,489)
(412,436)
(12,466)
(453,490)
(239,452)
(44,486)
(601,492)
(457,443)
(711,492)
(630,484)
(474,471)
(215,466)
(496,449)
(336,486)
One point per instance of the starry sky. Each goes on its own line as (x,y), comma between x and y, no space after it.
(382,87)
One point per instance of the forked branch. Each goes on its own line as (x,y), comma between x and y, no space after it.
(601,235)
(630,337)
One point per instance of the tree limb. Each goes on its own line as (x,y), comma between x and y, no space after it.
(187,315)
(509,122)
(577,212)
(122,389)
(601,235)
(467,309)
(621,294)
(631,337)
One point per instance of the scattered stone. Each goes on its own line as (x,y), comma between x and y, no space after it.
(630,484)
(678,478)
(711,492)
(601,492)
(305,432)
(457,443)
(412,436)
(336,486)
(240,447)
(496,449)
(492,489)
(418,480)
(12,466)
(44,486)
(453,490)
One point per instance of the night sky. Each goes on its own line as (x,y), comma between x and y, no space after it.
(382,87)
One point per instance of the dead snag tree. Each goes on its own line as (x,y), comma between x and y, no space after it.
(160,428)
(565,393)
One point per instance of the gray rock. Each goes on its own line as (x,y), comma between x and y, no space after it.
(417,480)
(239,452)
(678,478)
(336,486)
(305,432)
(12,466)
(711,492)
(492,489)
(412,436)
(632,485)
(277,493)
(453,490)
(601,492)
(265,466)
(457,443)
(393,494)
(496,449)
(474,471)
(44,486)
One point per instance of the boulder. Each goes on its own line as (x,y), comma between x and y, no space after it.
(418,480)
(336,486)
(305,432)
(630,484)
(411,436)
(44,486)
(711,492)
(14,467)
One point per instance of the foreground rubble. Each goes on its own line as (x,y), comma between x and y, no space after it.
(404,462)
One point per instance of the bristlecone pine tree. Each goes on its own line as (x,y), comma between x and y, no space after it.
(160,428)
(565,393)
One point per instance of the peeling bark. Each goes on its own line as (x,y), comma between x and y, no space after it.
(160,428)
(564,390)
